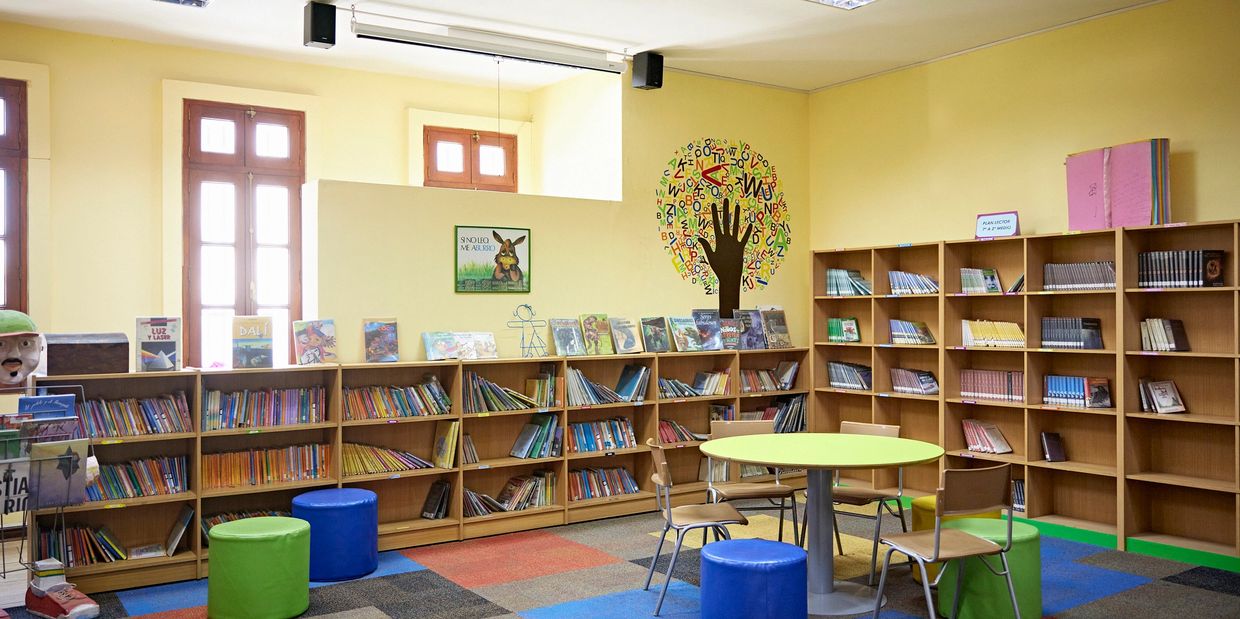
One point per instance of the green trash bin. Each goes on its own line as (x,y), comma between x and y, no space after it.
(259,569)
(985,595)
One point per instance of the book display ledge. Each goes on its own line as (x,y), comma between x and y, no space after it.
(402,494)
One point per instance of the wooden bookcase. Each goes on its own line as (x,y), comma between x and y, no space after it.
(401,495)
(1168,479)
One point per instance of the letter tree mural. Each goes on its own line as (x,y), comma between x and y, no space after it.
(722,218)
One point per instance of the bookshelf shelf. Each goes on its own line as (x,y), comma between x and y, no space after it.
(395,475)
(1136,475)
(702,398)
(771,394)
(387,421)
(417,524)
(532,511)
(519,411)
(184,556)
(208,493)
(609,453)
(141,438)
(638,404)
(123,503)
(501,463)
(289,427)
(644,495)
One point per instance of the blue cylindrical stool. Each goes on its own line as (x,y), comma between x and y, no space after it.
(344,531)
(753,579)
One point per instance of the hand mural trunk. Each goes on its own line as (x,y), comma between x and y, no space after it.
(727,257)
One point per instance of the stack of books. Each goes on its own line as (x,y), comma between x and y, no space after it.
(541,438)
(781,378)
(843,375)
(522,492)
(542,389)
(632,384)
(847,283)
(469,453)
(480,395)
(1160,396)
(918,382)
(592,483)
(1079,276)
(911,283)
(672,388)
(132,417)
(585,392)
(910,332)
(991,334)
(979,281)
(711,383)
(257,467)
(148,477)
(603,435)
(1186,268)
(1005,385)
(438,499)
(86,546)
(670,431)
(1164,335)
(843,330)
(1077,391)
(263,408)
(1018,495)
(426,398)
(1072,333)
(788,413)
(984,437)
(361,459)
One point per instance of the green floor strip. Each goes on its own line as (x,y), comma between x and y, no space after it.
(1184,555)
(1073,534)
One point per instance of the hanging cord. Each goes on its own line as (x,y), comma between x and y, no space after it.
(498,60)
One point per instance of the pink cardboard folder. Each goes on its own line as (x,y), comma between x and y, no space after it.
(1116,186)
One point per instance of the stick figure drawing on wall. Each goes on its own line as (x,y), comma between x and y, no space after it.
(532,342)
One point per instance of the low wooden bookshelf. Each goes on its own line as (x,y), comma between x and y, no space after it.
(1139,477)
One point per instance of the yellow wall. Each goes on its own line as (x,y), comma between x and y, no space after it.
(577,133)
(916,154)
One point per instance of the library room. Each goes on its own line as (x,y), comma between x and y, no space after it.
(385,309)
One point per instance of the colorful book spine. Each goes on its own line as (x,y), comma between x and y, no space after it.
(139,478)
(211,521)
(427,398)
(164,414)
(592,483)
(1003,385)
(361,459)
(603,435)
(263,408)
(256,467)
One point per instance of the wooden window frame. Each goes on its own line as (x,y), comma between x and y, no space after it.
(471,177)
(14,160)
(246,171)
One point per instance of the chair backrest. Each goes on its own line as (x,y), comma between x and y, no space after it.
(872,429)
(969,491)
(724,429)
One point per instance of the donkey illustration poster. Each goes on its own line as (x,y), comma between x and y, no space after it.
(491,259)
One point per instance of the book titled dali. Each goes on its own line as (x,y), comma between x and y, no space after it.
(597,333)
(379,338)
(627,338)
(569,341)
(314,341)
(655,335)
(251,345)
(158,344)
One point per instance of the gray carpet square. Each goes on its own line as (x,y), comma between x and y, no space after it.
(422,595)
(1159,599)
(1210,579)
(565,586)
(688,566)
(1137,564)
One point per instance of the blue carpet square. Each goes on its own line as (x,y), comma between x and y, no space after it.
(1067,583)
(390,563)
(162,598)
(683,602)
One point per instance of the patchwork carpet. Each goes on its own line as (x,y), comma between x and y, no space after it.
(596,570)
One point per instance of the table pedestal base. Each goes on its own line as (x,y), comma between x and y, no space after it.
(848,598)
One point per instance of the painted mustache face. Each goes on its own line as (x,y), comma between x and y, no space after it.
(20,356)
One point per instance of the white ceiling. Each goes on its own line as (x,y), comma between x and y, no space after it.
(788,43)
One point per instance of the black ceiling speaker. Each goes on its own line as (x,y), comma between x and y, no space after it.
(320,25)
(648,70)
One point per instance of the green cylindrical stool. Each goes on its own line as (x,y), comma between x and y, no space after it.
(984,595)
(260,569)
(923,520)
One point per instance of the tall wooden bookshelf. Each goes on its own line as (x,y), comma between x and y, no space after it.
(1140,477)
(401,495)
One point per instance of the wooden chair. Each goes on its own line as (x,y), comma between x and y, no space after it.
(860,497)
(735,490)
(964,491)
(684,518)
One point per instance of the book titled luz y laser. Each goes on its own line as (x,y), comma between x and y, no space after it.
(157,344)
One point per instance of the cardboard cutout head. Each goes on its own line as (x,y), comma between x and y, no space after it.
(20,347)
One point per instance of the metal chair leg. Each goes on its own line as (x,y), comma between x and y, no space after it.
(795,527)
(900,506)
(960,570)
(655,558)
(781,520)
(878,528)
(835,524)
(680,538)
(1007,573)
(882,582)
(925,586)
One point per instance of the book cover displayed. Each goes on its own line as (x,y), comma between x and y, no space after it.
(45,430)
(909,332)
(569,341)
(655,334)
(58,473)
(15,479)
(1052,447)
(984,436)
(843,330)
(776,327)
(1124,185)
(443,454)
(148,551)
(730,332)
(314,341)
(157,344)
(626,335)
(47,406)
(685,333)
(707,321)
(979,281)
(597,334)
(475,345)
(1165,397)
(439,345)
(753,337)
(1099,392)
(178,529)
(991,334)
(380,340)
(251,344)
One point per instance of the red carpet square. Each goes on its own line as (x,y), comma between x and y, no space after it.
(508,558)
(193,612)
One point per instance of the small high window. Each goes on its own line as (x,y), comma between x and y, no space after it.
(468,159)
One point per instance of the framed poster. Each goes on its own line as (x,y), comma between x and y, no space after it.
(492,259)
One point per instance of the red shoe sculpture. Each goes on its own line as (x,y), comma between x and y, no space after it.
(49,596)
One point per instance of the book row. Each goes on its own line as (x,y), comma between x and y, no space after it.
(1072,333)
(80,546)
(1076,391)
(603,435)
(1185,268)
(480,395)
(221,518)
(979,281)
(255,467)
(842,375)
(918,382)
(1005,385)
(911,283)
(1079,276)
(847,283)
(591,483)
(584,392)
(542,437)
(843,330)
(671,431)
(705,329)
(984,437)
(147,477)
(359,459)
(133,417)
(780,378)
(520,493)
(262,408)
(910,332)
(991,334)
(438,499)
(1160,396)
(1164,335)
(425,398)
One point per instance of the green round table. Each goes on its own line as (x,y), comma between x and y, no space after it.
(822,455)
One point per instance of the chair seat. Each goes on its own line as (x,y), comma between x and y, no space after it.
(744,490)
(689,515)
(953,544)
(852,495)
